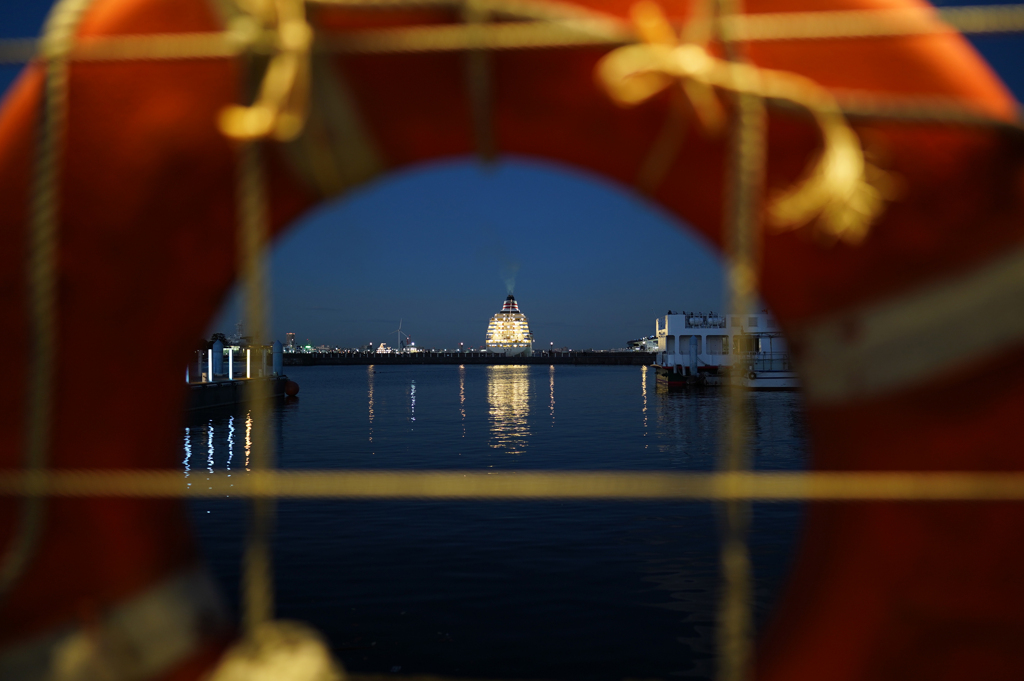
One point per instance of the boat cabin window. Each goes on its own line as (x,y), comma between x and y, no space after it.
(670,344)
(744,343)
(718,345)
(735,321)
(752,322)
(684,345)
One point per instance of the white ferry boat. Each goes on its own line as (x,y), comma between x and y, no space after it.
(708,349)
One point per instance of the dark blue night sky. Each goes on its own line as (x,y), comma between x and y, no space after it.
(437,247)
(432,246)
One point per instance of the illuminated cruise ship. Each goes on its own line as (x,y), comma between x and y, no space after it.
(509,330)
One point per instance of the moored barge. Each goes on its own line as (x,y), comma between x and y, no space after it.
(697,349)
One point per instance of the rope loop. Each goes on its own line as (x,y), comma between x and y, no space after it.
(282,105)
(841,192)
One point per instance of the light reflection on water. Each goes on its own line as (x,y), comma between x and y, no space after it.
(643,392)
(462,397)
(678,430)
(508,399)
(231,441)
(248,437)
(412,400)
(209,448)
(574,583)
(551,385)
(188,452)
(369,399)
(597,425)
(217,444)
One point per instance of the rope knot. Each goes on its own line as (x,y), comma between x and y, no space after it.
(840,191)
(282,105)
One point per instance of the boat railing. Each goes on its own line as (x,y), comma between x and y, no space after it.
(767,361)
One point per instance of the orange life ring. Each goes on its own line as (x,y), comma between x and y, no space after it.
(879,591)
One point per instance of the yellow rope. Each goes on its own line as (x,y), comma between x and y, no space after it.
(280,112)
(816,25)
(812,486)
(480,86)
(548,10)
(744,186)
(148,47)
(840,192)
(42,277)
(522,35)
(542,26)
(253,238)
(416,39)
(282,106)
(877,23)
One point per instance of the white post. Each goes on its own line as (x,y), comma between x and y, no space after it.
(209,362)
(248,363)
(231,364)
(278,359)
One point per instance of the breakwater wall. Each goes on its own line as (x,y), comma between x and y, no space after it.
(365,358)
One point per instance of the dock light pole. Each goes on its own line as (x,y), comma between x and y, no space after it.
(231,364)
(209,362)
(248,363)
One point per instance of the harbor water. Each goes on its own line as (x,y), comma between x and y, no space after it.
(501,590)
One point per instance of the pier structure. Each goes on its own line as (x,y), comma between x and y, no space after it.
(218,386)
(579,357)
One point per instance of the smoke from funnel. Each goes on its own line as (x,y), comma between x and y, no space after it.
(493,251)
(509,272)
